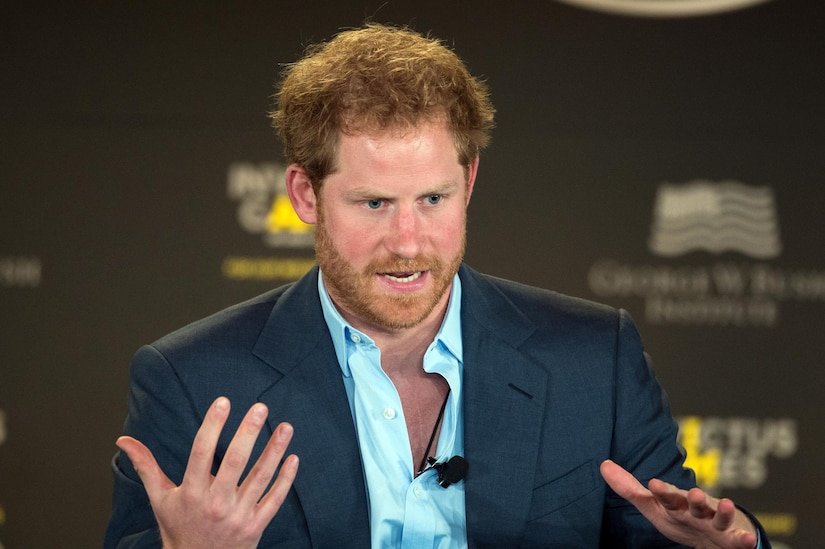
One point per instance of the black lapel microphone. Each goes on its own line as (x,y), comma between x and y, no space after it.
(451,471)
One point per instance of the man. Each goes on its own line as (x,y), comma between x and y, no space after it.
(392,357)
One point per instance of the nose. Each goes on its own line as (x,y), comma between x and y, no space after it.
(404,239)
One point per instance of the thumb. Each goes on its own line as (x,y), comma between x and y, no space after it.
(623,483)
(147,468)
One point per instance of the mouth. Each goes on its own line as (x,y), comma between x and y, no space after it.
(403,278)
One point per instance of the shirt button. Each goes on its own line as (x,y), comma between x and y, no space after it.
(417,491)
(355,338)
(389,413)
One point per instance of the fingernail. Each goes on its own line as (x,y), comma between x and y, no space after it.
(259,413)
(222,404)
(284,431)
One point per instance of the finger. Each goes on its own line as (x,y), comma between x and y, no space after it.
(747,540)
(725,514)
(669,496)
(701,505)
(199,468)
(273,499)
(732,519)
(237,454)
(147,468)
(262,473)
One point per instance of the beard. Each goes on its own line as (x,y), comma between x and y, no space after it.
(358,292)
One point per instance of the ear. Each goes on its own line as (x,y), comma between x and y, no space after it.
(301,194)
(472,171)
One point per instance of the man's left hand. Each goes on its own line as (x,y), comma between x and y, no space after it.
(690,517)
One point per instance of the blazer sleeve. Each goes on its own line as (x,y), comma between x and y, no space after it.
(163,417)
(643,442)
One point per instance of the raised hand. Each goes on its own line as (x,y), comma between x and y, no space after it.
(690,517)
(214,510)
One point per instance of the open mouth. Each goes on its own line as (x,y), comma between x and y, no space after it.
(403,277)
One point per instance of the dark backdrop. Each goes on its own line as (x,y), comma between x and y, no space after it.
(138,170)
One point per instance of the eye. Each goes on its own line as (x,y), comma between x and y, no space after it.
(374,204)
(434,199)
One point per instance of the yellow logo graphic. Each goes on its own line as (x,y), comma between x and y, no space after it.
(264,207)
(705,463)
(733,452)
(282,217)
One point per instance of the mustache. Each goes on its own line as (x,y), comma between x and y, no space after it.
(402,265)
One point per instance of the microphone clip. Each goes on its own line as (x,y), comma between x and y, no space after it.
(450,471)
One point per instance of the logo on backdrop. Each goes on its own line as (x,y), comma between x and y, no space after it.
(735,453)
(264,207)
(729,453)
(664,8)
(264,210)
(726,216)
(706,218)
(20,272)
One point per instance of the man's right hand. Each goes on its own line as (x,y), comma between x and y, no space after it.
(214,510)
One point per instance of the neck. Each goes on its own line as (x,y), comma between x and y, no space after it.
(402,350)
(403,353)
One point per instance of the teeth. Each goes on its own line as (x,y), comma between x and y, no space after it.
(408,278)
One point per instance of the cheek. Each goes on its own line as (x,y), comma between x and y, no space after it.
(353,241)
(450,234)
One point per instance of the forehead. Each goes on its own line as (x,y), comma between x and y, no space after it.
(398,148)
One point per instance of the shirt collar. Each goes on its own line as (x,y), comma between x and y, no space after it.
(448,336)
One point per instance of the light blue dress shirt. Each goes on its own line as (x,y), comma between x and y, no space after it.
(405,511)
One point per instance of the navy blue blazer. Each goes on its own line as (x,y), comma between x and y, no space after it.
(552,386)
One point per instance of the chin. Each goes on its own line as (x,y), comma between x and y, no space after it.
(400,313)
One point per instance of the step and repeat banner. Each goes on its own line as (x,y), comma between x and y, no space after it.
(660,156)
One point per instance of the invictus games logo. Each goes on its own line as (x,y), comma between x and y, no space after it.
(715,217)
(734,452)
(737,453)
(664,8)
(264,207)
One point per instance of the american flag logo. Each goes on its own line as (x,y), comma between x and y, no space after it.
(715,217)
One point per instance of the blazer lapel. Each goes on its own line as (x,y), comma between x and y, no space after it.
(504,400)
(310,395)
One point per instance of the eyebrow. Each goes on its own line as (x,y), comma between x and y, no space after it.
(365,191)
